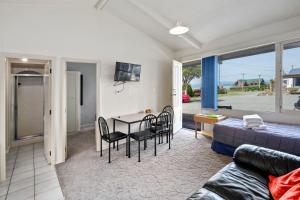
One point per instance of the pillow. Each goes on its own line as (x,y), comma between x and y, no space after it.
(286,186)
(292,194)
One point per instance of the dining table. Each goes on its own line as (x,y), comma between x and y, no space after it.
(130,119)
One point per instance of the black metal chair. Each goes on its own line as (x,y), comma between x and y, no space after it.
(109,137)
(163,126)
(145,132)
(170,110)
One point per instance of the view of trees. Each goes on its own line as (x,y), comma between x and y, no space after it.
(188,74)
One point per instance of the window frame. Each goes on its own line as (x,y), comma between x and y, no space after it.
(279,47)
(280,59)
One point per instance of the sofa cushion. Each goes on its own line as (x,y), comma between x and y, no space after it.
(204,194)
(239,182)
(268,161)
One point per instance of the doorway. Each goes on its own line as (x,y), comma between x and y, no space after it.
(28,101)
(191,92)
(81,104)
(27,106)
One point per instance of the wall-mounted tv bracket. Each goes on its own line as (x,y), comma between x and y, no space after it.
(118,83)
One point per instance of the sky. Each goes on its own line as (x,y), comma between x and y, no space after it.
(253,66)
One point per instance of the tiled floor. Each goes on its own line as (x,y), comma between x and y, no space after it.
(29,177)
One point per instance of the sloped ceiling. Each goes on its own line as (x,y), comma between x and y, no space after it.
(210,21)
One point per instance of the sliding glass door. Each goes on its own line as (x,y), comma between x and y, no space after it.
(291,76)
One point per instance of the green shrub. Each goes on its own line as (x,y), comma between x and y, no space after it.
(190,91)
(222,91)
(249,88)
(292,90)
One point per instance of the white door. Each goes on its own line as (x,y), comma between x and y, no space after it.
(73,101)
(177,94)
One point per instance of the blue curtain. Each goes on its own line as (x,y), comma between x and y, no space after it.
(209,82)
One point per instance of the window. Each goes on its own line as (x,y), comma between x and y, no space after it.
(246,79)
(291,76)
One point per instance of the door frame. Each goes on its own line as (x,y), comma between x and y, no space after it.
(4,97)
(63,147)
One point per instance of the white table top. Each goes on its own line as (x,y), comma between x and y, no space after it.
(133,118)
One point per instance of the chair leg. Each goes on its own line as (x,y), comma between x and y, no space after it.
(167,138)
(154,145)
(162,138)
(118,145)
(109,153)
(114,145)
(126,146)
(158,138)
(101,147)
(129,147)
(169,134)
(139,151)
(145,144)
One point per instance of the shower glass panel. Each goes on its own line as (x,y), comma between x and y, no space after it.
(30,106)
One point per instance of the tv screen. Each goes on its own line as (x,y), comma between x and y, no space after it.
(127,72)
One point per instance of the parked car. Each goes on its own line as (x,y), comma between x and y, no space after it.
(297,104)
(197,92)
(185,98)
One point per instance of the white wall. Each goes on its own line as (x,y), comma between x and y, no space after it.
(84,33)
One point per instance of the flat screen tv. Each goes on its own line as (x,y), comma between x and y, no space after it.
(127,72)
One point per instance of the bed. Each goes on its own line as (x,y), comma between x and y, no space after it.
(230,133)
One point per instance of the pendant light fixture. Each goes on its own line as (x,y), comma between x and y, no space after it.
(179,29)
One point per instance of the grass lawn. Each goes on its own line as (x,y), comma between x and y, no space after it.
(232,93)
(195,99)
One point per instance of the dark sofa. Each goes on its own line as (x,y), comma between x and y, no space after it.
(247,176)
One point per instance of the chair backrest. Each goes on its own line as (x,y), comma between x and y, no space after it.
(163,120)
(146,123)
(170,110)
(103,127)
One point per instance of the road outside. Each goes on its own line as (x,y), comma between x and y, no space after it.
(248,101)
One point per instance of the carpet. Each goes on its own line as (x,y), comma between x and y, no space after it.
(172,174)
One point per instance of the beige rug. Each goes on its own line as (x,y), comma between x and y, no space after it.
(172,174)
